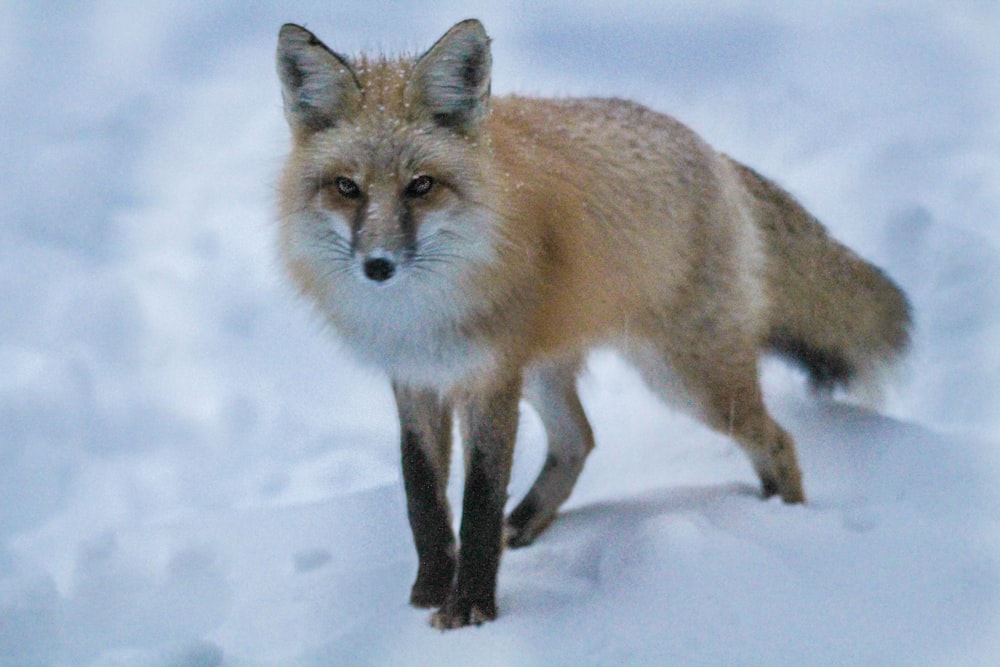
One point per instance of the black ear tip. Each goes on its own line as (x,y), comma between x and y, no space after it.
(292,30)
(294,34)
(472,27)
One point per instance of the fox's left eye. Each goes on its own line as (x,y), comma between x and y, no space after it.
(419,186)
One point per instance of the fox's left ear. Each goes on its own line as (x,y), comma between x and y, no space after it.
(451,82)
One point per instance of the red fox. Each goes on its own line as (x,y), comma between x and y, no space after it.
(475,248)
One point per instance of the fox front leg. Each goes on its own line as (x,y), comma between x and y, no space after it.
(425,440)
(489,426)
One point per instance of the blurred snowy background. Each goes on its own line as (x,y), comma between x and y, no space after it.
(193,475)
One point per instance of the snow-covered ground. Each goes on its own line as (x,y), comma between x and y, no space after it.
(192,475)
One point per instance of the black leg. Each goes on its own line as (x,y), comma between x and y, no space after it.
(425,432)
(489,426)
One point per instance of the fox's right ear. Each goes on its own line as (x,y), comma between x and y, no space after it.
(319,88)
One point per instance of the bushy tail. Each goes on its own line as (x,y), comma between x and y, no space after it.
(832,312)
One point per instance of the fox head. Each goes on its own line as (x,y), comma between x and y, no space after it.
(385,184)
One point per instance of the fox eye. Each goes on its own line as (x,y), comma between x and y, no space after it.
(347,188)
(419,186)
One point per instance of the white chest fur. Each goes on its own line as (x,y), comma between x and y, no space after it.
(411,329)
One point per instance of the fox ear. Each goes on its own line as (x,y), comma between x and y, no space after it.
(319,88)
(451,82)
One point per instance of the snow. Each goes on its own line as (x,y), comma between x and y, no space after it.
(193,475)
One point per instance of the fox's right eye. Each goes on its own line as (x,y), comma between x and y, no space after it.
(346,188)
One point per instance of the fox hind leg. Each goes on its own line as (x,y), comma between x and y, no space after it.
(551,390)
(736,406)
(727,397)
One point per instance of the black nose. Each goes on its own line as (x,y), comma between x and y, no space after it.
(379,269)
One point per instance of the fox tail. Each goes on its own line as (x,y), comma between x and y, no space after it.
(834,314)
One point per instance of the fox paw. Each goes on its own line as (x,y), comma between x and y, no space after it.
(459,612)
(431,590)
(526,523)
(790,491)
(433,583)
(426,596)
